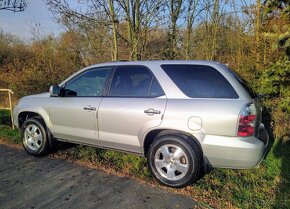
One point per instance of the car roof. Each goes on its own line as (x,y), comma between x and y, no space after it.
(159,62)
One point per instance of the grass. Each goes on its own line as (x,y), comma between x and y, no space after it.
(265,187)
(6,131)
(5,118)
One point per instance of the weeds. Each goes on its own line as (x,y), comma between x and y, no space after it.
(9,134)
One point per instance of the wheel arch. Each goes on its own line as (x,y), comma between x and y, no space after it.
(153,134)
(24,115)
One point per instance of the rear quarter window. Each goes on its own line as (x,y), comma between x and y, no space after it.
(200,81)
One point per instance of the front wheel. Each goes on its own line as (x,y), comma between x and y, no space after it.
(34,137)
(174,161)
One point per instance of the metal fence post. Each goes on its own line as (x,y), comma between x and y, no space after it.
(10,105)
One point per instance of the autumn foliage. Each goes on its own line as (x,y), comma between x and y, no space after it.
(252,39)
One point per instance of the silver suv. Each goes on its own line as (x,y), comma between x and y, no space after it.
(184,116)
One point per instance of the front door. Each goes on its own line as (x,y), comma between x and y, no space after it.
(74,114)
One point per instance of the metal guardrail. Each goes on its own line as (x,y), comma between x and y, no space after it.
(10,104)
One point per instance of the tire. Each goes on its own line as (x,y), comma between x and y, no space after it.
(34,136)
(174,161)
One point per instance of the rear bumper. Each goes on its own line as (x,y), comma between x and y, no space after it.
(236,152)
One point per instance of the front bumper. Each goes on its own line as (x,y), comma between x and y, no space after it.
(15,116)
(236,152)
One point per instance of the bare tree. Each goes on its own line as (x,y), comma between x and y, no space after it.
(13,5)
(110,10)
(257,33)
(91,24)
(175,10)
(137,16)
(215,11)
(141,17)
(114,20)
(191,14)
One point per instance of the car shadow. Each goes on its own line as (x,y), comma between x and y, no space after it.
(59,146)
(267,121)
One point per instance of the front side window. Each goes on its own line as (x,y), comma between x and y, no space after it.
(200,81)
(134,81)
(88,84)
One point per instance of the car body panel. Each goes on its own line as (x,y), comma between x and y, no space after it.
(120,122)
(70,121)
(178,112)
(235,152)
(38,103)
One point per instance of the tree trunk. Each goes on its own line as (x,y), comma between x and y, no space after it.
(114,25)
(190,16)
(175,9)
(215,25)
(257,33)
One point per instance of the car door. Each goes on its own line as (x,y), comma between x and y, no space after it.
(74,113)
(134,104)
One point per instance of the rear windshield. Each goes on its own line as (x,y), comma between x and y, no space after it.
(244,83)
(200,81)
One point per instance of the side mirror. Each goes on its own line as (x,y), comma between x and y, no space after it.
(54,91)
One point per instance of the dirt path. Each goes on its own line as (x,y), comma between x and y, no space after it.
(29,182)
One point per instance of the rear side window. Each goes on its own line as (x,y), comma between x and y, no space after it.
(156,90)
(200,81)
(134,81)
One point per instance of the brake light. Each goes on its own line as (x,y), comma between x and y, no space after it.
(247,120)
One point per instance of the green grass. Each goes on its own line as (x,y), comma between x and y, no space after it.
(265,187)
(7,133)
(5,118)
(121,162)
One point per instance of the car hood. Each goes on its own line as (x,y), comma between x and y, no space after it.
(46,94)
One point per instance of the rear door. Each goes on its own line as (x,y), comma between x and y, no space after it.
(135,103)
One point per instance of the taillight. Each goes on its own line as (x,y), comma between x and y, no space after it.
(247,120)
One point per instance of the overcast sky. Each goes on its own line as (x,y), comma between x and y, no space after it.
(20,23)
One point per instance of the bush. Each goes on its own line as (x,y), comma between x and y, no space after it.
(275,85)
(5,117)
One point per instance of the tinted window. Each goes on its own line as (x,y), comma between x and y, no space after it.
(89,83)
(133,81)
(199,81)
(156,90)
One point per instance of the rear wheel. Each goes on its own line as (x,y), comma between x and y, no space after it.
(34,136)
(174,161)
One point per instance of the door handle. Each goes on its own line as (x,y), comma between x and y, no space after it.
(151,111)
(89,107)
